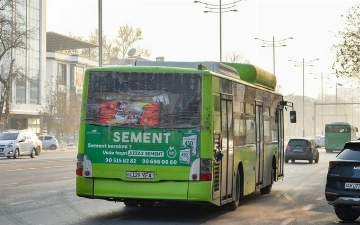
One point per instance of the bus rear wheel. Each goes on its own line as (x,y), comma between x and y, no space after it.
(266,190)
(131,204)
(238,193)
(146,205)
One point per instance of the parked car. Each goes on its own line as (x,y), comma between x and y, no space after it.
(17,143)
(37,142)
(301,149)
(49,142)
(320,140)
(342,188)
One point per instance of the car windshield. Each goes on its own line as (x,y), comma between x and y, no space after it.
(8,136)
(351,152)
(298,142)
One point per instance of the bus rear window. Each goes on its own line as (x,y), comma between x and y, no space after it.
(337,129)
(144,99)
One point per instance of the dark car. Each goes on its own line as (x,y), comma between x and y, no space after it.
(342,188)
(301,149)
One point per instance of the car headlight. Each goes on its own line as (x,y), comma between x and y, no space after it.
(11,144)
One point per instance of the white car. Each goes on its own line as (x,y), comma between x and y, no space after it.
(17,143)
(49,142)
(320,140)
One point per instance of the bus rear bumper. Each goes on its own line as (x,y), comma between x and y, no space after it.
(117,190)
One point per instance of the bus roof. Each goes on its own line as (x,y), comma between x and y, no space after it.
(246,72)
(211,66)
(255,75)
(337,123)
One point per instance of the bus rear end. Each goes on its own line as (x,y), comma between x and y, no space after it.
(336,135)
(140,136)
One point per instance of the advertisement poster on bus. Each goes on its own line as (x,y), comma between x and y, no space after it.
(134,146)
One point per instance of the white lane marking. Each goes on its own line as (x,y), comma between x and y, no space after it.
(16,203)
(8,184)
(35,168)
(287,221)
(307,207)
(320,198)
(288,197)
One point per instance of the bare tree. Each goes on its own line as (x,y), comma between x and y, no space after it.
(62,108)
(94,52)
(117,48)
(235,57)
(347,63)
(126,38)
(13,41)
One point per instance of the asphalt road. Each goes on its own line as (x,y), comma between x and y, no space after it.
(42,191)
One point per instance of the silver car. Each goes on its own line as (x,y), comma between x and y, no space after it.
(49,142)
(17,143)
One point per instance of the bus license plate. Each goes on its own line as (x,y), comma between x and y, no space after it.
(141,175)
(355,186)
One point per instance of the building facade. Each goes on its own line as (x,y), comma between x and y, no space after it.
(26,91)
(39,64)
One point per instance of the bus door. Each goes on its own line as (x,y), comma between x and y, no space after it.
(259,143)
(227,150)
(281,147)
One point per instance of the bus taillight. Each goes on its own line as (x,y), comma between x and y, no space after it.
(79,171)
(80,165)
(205,177)
(205,170)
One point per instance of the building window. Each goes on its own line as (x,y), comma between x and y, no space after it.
(20,90)
(79,74)
(76,76)
(34,124)
(62,74)
(34,92)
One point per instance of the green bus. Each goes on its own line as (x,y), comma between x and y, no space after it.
(197,132)
(337,134)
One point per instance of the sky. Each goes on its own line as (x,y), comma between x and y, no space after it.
(179,30)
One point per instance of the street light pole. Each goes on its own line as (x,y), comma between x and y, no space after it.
(336,100)
(221,8)
(273,44)
(303,64)
(220,12)
(100,31)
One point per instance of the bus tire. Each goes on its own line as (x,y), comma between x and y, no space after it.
(235,204)
(146,205)
(131,204)
(266,190)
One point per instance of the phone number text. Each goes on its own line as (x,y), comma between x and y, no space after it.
(143,161)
